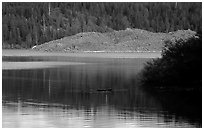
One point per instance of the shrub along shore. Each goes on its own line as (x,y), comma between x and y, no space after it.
(180,67)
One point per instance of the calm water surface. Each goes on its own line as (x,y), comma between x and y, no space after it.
(68,95)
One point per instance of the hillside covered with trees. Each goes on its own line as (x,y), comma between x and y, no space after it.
(27,24)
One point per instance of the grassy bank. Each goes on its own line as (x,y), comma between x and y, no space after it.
(134,40)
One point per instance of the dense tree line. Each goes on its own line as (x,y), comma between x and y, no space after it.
(29,24)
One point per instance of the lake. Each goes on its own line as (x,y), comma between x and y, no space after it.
(61,91)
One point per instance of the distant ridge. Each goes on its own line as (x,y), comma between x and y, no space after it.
(129,40)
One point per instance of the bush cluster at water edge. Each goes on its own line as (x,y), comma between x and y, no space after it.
(180,66)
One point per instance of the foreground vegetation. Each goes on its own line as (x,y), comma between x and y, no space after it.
(176,78)
(27,24)
(180,67)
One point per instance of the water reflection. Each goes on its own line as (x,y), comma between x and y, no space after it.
(67,97)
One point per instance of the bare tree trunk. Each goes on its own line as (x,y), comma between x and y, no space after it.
(49,7)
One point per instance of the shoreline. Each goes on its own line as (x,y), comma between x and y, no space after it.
(35,65)
(95,54)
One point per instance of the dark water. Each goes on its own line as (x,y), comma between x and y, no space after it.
(71,96)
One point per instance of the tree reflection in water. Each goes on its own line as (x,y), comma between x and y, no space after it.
(71,93)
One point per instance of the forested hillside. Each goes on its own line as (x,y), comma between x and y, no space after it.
(28,24)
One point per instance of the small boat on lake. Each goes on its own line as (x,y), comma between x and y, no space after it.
(105,90)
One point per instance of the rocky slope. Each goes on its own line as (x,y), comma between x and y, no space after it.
(123,40)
